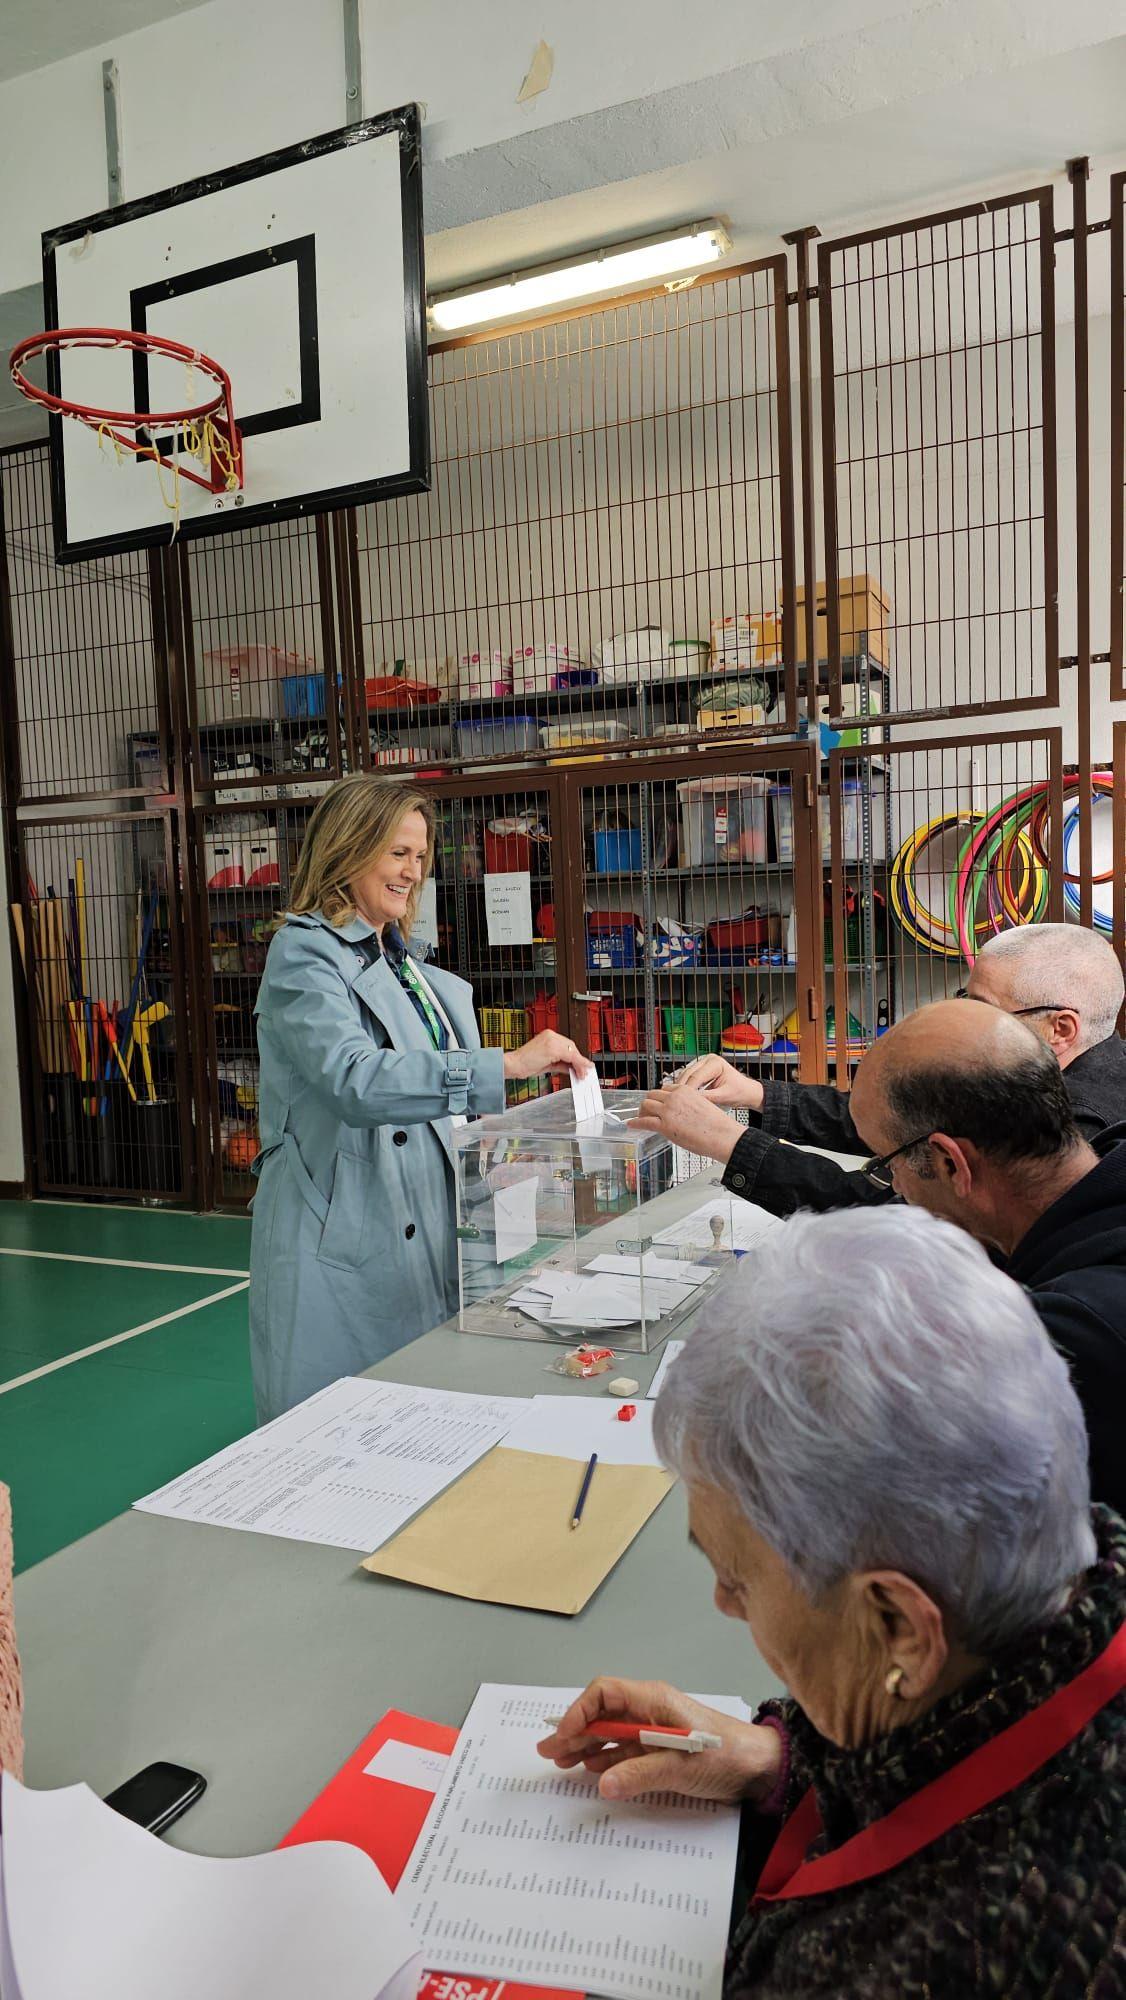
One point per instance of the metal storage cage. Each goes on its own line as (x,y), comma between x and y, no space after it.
(693,792)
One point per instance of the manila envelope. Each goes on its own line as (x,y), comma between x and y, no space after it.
(503,1534)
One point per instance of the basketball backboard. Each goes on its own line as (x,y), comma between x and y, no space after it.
(302,274)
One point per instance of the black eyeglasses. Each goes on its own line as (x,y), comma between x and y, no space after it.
(878,1172)
(964,993)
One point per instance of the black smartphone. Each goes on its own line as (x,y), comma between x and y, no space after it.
(158,1796)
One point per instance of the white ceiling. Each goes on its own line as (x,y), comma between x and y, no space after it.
(38,32)
(859,158)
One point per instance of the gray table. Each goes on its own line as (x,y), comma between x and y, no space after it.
(262,1663)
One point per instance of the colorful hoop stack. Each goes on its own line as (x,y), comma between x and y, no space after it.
(1000,875)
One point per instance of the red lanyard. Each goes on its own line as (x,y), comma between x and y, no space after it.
(986,1774)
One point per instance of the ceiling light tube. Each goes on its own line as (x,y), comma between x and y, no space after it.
(619,268)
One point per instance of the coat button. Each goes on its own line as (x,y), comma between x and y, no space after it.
(400,1138)
(409,1231)
(738,1180)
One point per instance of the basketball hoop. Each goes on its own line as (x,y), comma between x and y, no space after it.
(207,431)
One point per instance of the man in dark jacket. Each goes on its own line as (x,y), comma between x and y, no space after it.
(1064,981)
(971,1119)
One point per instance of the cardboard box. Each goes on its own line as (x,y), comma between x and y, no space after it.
(864,608)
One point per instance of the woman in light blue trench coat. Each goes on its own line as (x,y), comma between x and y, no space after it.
(366,1056)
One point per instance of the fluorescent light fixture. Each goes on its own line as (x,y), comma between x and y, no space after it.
(620,268)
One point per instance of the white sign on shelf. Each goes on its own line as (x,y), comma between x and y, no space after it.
(508,909)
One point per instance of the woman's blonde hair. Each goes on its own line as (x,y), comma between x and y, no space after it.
(351,826)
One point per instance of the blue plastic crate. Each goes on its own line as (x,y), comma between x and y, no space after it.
(303,696)
(617,851)
(613,949)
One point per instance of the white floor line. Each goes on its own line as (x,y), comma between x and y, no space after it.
(115,1339)
(131,1263)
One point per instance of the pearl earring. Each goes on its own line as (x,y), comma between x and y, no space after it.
(893,1679)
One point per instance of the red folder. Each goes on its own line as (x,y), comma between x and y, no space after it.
(385,1820)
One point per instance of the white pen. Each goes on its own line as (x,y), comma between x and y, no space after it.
(651,1736)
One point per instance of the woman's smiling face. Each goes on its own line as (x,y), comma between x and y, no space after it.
(382,892)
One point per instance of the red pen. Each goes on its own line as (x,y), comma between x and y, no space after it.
(651,1735)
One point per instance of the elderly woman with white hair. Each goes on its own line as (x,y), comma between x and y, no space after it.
(886,1467)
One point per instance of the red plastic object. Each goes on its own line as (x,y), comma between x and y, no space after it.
(543,1014)
(398,691)
(226,878)
(750,932)
(627,1411)
(266,877)
(624,1030)
(742,1035)
(545,920)
(508,853)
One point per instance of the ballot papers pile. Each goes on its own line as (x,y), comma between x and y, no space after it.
(613,1291)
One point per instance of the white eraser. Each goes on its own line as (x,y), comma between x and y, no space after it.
(622,1385)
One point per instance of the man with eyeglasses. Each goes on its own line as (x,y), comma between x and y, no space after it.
(1064,981)
(972,1120)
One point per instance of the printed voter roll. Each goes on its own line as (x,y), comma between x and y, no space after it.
(523,1872)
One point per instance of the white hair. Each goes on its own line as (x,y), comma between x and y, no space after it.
(1081,964)
(873,1394)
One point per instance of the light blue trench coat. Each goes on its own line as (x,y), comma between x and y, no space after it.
(352,1249)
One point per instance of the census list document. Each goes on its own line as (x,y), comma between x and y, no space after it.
(348,1467)
(521,1871)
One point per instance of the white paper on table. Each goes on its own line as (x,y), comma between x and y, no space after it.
(485,1884)
(661,1268)
(743,1223)
(576,1426)
(425,925)
(406,1764)
(672,1349)
(508,909)
(348,1467)
(93,1905)
(514,1218)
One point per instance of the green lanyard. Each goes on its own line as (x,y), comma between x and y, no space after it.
(409,977)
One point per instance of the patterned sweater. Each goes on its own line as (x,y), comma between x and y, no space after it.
(1026,1900)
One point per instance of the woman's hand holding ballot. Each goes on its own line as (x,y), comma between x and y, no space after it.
(746,1767)
(545,1054)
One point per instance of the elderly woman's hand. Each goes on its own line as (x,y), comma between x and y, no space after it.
(689,1119)
(747,1767)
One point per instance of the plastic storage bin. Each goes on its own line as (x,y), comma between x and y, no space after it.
(611,941)
(303,695)
(782,817)
(852,821)
(543,1013)
(500,736)
(615,852)
(583,732)
(692,1031)
(625,1031)
(722,819)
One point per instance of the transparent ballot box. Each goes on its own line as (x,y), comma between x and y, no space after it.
(571,1232)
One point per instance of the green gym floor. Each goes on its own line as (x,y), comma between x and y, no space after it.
(123,1358)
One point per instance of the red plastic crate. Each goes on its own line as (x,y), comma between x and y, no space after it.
(624,1030)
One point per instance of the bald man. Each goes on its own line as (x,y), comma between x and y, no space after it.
(1064,981)
(972,1120)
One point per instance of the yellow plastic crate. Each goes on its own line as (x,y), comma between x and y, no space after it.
(504,1027)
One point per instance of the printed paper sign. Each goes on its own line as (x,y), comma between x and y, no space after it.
(425,924)
(406,1764)
(508,909)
